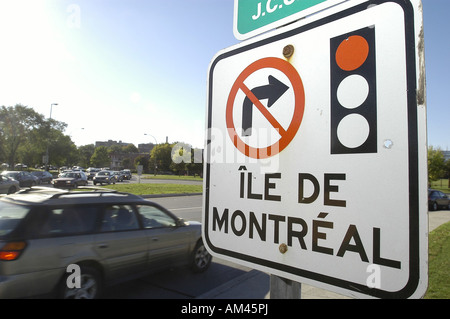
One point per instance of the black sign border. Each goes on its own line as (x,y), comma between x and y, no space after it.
(413,153)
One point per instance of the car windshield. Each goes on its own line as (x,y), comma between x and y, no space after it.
(71,175)
(10,216)
(12,175)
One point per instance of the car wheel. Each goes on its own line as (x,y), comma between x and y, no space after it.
(11,190)
(434,206)
(90,285)
(201,259)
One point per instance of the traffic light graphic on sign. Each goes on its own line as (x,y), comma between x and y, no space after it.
(353,93)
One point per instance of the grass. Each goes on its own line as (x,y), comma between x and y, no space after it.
(441,185)
(150,189)
(439,263)
(172,177)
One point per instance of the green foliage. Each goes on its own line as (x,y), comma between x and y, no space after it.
(161,156)
(436,164)
(100,158)
(26,134)
(149,189)
(439,263)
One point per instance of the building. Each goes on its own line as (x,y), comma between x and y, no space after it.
(110,143)
(145,148)
(118,159)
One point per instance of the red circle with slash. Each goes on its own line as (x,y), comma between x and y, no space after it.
(286,135)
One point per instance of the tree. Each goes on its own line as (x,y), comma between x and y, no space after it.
(181,156)
(100,158)
(196,164)
(16,122)
(160,156)
(129,149)
(436,164)
(447,171)
(25,134)
(86,152)
(142,160)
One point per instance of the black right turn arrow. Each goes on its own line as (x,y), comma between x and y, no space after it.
(273,91)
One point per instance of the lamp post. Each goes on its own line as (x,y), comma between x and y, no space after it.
(46,153)
(51,107)
(155,166)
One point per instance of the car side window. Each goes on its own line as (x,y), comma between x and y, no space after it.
(118,218)
(153,217)
(70,220)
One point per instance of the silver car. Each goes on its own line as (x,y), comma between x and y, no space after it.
(72,244)
(8,185)
(104,177)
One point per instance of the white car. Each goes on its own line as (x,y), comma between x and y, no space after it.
(8,185)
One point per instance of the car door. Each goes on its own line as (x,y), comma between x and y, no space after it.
(121,242)
(442,199)
(169,241)
(4,185)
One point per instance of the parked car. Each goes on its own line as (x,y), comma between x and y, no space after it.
(104,177)
(20,166)
(25,179)
(91,171)
(8,185)
(437,199)
(118,175)
(43,176)
(71,180)
(46,234)
(126,174)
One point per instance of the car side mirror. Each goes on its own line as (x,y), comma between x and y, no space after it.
(180,222)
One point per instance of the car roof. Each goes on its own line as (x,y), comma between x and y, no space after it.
(83,195)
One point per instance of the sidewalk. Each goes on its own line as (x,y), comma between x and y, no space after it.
(256,285)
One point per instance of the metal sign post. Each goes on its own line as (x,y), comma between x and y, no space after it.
(281,288)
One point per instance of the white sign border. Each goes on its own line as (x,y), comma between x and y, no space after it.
(418,232)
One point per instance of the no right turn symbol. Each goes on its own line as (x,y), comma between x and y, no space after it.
(275,78)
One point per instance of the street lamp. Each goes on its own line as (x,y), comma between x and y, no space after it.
(46,153)
(51,107)
(155,166)
(153,138)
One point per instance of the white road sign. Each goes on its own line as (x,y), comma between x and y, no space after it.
(316,152)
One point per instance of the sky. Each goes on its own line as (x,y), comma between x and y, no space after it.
(136,70)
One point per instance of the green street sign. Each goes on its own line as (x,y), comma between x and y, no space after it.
(252,17)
